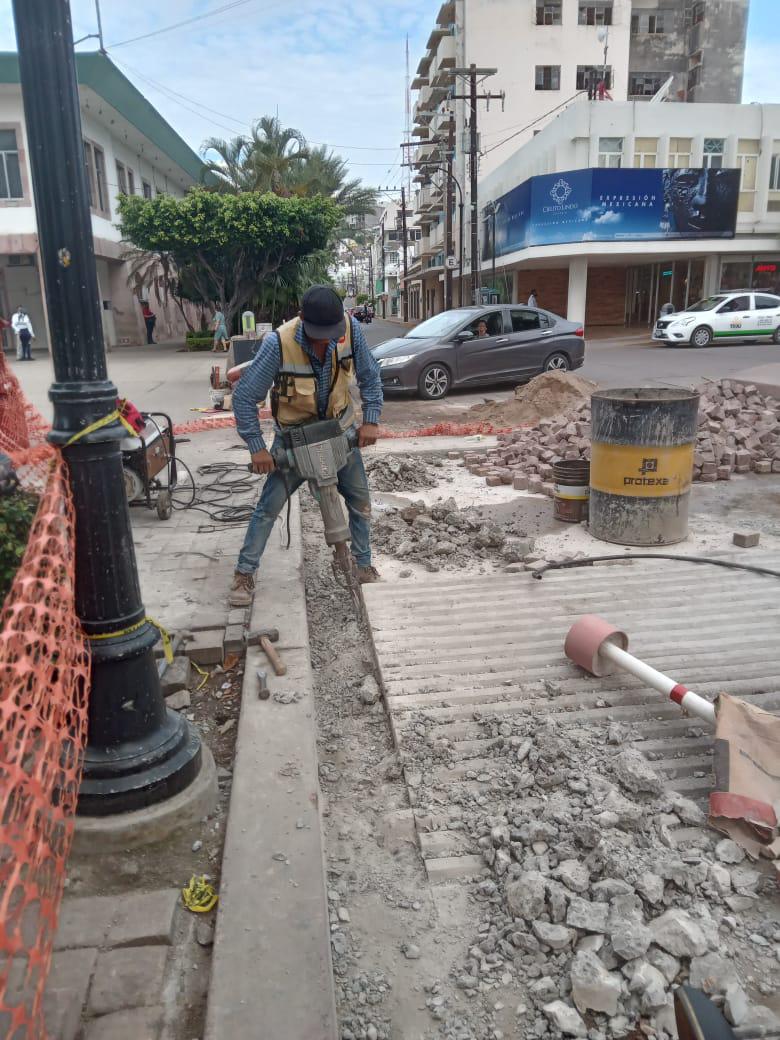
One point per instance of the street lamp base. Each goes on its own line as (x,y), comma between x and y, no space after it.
(137,774)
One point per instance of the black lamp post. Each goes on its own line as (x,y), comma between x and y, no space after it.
(138,751)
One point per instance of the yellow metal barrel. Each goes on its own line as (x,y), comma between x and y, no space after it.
(641,466)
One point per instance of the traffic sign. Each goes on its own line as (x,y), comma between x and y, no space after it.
(450,262)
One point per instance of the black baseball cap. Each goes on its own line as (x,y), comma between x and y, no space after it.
(323,313)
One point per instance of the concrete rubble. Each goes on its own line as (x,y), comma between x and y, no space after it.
(402,472)
(444,537)
(591,909)
(738,432)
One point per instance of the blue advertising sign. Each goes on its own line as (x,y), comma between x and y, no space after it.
(609,205)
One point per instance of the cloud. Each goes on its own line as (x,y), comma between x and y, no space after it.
(610,217)
(760,82)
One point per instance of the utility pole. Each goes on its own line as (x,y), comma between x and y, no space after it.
(475,75)
(138,751)
(405,290)
(100,27)
(449,205)
(382,233)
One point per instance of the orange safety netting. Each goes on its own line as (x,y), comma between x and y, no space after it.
(442,429)
(44,669)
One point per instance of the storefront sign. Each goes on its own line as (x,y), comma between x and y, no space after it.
(598,205)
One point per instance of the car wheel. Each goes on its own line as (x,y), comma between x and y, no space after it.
(701,337)
(557,363)
(434,383)
(776,335)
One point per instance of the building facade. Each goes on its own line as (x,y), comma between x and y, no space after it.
(547,55)
(128,148)
(388,255)
(617,258)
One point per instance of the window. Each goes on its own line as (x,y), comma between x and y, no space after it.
(644,84)
(494,324)
(525,321)
(680,152)
(548,13)
(714,148)
(95,162)
(697,15)
(596,14)
(590,75)
(121,178)
(130,182)
(548,77)
(737,303)
(747,161)
(10,171)
(610,152)
(645,23)
(774,173)
(766,303)
(147,189)
(645,152)
(391,258)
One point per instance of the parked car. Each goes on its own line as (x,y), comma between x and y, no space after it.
(742,314)
(471,346)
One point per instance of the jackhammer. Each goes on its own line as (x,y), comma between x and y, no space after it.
(315,452)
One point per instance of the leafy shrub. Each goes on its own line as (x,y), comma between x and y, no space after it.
(199,342)
(16,516)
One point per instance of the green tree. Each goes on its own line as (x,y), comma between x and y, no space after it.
(264,161)
(229,244)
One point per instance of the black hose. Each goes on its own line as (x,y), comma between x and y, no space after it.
(587,560)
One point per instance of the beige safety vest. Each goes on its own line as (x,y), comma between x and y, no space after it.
(296,385)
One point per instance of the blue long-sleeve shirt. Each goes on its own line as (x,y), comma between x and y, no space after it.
(258,379)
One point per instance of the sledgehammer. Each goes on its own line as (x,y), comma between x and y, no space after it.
(598,647)
(266,636)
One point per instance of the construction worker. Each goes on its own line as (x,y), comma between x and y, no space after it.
(309,362)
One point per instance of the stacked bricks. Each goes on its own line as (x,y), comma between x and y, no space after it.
(739,432)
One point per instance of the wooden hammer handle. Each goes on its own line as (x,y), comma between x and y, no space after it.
(278,666)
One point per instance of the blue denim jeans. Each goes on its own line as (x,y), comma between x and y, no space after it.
(353,487)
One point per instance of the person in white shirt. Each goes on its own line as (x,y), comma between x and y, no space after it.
(22,326)
(532,299)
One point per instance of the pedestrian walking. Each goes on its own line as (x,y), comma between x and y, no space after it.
(21,324)
(310,363)
(150,320)
(532,299)
(221,339)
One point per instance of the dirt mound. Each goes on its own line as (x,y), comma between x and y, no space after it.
(547,395)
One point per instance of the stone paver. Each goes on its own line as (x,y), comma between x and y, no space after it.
(128,978)
(135,1024)
(66,992)
(85,922)
(145,919)
(206,647)
(176,676)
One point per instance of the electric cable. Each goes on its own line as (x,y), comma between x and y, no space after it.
(189,21)
(557,565)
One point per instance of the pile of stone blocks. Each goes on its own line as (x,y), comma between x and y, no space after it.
(738,432)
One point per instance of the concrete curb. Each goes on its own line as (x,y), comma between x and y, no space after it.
(271,970)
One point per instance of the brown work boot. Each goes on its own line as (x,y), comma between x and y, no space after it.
(242,590)
(368,575)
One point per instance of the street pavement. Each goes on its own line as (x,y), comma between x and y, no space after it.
(166,378)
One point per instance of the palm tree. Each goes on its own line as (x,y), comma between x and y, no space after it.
(324,173)
(264,161)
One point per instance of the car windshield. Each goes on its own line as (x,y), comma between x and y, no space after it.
(440,324)
(706,305)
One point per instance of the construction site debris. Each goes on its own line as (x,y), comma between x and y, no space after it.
(738,432)
(746,539)
(592,907)
(402,472)
(444,537)
(545,396)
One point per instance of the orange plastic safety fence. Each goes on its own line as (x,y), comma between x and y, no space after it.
(442,429)
(44,668)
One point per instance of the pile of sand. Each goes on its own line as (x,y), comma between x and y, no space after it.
(547,395)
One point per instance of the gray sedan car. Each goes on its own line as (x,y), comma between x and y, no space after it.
(472,346)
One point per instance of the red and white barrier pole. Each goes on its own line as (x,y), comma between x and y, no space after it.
(598,647)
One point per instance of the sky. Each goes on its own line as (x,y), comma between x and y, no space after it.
(334,69)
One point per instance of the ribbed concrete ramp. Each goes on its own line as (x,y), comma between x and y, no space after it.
(458,648)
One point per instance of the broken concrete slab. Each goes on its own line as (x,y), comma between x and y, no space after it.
(127,978)
(145,919)
(207,646)
(176,676)
(134,1024)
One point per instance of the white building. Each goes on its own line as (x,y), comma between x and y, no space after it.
(547,55)
(621,280)
(128,147)
(388,256)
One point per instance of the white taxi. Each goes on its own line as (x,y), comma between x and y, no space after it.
(728,316)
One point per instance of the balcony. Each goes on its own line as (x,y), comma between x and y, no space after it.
(425,64)
(437,237)
(423,109)
(427,151)
(421,130)
(443,63)
(418,82)
(446,15)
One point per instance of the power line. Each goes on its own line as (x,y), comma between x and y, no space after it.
(533,122)
(187,21)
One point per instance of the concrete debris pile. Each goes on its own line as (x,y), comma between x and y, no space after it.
(443,537)
(739,432)
(593,912)
(402,472)
(545,396)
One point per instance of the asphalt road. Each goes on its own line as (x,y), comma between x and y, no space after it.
(161,378)
(622,358)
